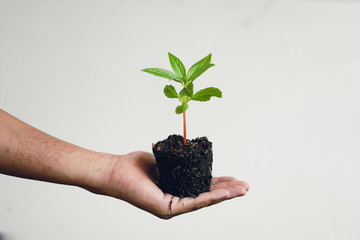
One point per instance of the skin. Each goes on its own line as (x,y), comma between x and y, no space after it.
(27,152)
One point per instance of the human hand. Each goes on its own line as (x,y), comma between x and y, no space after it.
(29,153)
(134,178)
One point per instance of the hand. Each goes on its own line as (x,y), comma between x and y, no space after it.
(134,179)
(29,153)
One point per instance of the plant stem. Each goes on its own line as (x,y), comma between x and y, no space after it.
(184,120)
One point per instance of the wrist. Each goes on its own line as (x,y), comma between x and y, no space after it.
(95,170)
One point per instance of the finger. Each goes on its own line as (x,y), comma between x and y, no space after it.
(221,180)
(243,187)
(183,205)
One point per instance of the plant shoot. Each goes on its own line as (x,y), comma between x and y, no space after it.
(186,79)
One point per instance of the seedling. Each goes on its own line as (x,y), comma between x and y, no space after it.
(186,79)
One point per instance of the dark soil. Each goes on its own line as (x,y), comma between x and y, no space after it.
(185,170)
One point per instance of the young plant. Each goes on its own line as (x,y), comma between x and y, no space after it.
(186,79)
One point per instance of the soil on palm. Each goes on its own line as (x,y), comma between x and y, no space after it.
(185,170)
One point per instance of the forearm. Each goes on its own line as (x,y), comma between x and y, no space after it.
(29,153)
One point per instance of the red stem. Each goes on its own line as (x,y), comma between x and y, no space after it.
(184,119)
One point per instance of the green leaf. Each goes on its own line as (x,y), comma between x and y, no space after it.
(199,68)
(177,65)
(163,73)
(190,87)
(170,91)
(206,93)
(181,108)
(187,91)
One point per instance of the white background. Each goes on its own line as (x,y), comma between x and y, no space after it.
(288,123)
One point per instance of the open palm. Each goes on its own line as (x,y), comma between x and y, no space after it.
(134,179)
